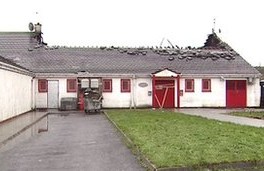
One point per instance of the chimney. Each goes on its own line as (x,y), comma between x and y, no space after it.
(38,28)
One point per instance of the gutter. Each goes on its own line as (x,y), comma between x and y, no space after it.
(104,75)
(133,91)
(114,75)
(221,75)
(15,69)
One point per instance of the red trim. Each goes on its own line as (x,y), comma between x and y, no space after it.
(71,82)
(192,83)
(153,90)
(178,91)
(105,89)
(123,88)
(42,86)
(209,85)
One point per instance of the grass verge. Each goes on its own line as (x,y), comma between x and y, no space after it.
(172,139)
(255,115)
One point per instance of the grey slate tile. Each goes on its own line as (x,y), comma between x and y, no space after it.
(213,58)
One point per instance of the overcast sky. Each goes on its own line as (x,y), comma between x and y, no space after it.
(141,22)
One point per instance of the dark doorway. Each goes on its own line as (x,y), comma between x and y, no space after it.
(262,95)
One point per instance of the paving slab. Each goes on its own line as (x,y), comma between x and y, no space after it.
(72,142)
(221,115)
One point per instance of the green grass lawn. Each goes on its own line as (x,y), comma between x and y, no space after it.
(256,115)
(172,139)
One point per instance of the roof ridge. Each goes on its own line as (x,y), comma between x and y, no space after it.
(14,32)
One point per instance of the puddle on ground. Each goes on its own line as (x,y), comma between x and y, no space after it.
(14,132)
(17,130)
(12,126)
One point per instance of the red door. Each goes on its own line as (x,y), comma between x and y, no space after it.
(236,93)
(163,94)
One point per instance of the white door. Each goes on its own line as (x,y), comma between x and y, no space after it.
(53,94)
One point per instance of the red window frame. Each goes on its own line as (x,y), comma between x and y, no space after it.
(125,85)
(189,85)
(206,85)
(42,85)
(71,85)
(107,85)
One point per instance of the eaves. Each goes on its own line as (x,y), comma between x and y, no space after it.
(253,75)
(12,68)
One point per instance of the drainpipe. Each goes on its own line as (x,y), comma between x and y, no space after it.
(131,94)
(33,94)
(178,91)
(153,89)
(134,92)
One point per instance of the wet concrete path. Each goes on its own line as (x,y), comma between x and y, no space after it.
(14,126)
(221,115)
(72,142)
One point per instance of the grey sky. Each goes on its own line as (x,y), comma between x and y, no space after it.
(141,22)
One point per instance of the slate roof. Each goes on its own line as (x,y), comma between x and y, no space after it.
(215,57)
(9,62)
(261,70)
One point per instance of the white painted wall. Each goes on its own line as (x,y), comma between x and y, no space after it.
(15,94)
(63,90)
(33,94)
(215,98)
(138,97)
(116,98)
(142,98)
(253,93)
(41,98)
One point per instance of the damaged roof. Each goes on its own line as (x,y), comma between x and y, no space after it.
(10,62)
(215,57)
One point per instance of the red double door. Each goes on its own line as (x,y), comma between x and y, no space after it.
(163,94)
(236,93)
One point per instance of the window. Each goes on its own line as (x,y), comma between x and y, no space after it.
(189,85)
(206,85)
(71,85)
(107,85)
(43,86)
(125,85)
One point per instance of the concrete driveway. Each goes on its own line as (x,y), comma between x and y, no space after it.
(221,115)
(72,142)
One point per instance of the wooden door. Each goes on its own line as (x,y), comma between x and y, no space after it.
(53,94)
(163,96)
(236,93)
